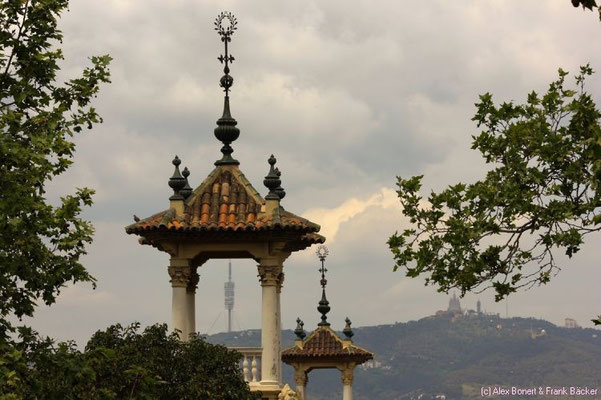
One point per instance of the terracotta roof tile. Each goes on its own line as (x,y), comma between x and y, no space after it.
(227,201)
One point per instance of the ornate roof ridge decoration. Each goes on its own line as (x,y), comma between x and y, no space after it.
(226,201)
(324,343)
(226,130)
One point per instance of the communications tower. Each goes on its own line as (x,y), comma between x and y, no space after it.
(229,297)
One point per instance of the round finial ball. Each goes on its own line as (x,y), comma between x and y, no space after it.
(176,161)
(186,172)
(272,160)
(226,81)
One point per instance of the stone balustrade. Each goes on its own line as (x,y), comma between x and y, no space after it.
(250,363)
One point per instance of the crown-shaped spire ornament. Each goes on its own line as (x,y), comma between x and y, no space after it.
(226,130)
(324,304)
(177,182)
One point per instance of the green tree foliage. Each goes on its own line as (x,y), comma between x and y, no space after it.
(122,363)
(542,195)
(40,244)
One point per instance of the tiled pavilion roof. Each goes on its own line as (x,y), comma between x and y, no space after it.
(324,343)
(226,202)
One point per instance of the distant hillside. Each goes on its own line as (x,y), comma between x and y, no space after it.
(456,356)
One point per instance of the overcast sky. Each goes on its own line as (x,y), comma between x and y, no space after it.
(347,95)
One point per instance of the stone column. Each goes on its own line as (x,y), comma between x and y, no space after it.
(269,272)
(180,273)
(347,383)
(191,301)
(279,284)
(301,379)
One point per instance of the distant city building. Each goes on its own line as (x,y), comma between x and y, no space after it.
(479,307)
(454,304)
(571,323)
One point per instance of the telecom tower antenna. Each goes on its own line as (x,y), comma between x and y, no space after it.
(229,297)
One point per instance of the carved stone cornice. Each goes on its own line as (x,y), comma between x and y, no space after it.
(270,275)
(180,275)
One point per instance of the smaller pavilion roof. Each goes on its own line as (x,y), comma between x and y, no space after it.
(324,343)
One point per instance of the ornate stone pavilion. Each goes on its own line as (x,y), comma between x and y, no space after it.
(226,217)
(324,348)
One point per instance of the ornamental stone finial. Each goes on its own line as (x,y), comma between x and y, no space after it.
(348,332)
(300,331)
(272,181)
(177,182)
(187,189)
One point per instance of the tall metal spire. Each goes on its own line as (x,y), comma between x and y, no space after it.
(226,130)
(324,304)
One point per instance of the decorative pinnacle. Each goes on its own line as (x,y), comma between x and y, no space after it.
(324,304)
(299,331)
(279,190)
(226,130)
(187,189)
(177,181)
(348,332)
(273,182)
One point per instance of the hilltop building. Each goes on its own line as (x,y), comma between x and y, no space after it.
(571,323)
(454,304)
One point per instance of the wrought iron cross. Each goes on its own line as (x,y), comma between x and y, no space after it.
(226,33)
(322,253)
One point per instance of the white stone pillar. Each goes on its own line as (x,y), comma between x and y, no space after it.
(347,384)
(269,272)
(191,302)
(280,282)
(180,272)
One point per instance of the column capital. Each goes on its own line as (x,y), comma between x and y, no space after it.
(280,282)
(193,281)
(180,272)
(300,377)
(270,274)
(180,276)
(347,376)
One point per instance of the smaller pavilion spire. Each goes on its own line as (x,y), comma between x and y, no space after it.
(273,182)
(187,189)
(324,304)
(300,331)
(177,182)
(226,130)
